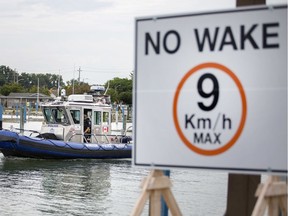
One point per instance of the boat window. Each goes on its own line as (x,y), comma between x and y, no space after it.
(97,118)
(106,118)
(48,115)
(59,115)
(75,116)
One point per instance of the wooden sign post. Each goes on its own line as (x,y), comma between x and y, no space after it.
(153,187)
(271,194)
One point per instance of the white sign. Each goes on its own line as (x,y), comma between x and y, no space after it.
(211,90)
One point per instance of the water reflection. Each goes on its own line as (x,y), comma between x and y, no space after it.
(71,187)
(98,187)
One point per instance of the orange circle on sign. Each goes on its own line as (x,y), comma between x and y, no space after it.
(232,141)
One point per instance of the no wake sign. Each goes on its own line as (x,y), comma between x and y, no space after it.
(211,90)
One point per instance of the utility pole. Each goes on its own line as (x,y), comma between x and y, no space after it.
(37,104)
(15,71)
(58,84)
(73,80)
(79,70)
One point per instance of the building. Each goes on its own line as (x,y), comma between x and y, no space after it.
(17,99)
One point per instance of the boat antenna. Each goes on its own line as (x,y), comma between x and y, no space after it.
(107,88)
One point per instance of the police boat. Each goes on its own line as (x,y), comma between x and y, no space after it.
(77,126)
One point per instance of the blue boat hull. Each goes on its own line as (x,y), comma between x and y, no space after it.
(13,144)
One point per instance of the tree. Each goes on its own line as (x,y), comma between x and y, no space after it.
(126,97)
(8,88)
(12,81)
(120,90)
(7,75)
(43,90)
(45,80)
(79,87)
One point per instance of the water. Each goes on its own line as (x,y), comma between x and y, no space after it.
(98,187)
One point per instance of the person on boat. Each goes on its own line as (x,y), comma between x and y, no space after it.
(87,128)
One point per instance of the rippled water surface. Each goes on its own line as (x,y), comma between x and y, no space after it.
(98,187)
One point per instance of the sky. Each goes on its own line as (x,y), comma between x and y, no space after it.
(97,36)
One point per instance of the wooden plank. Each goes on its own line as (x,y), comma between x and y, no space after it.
(139,206)
(158,183)
(262,202)
(155,202)
(275,189)
(171,202)
(155,185)
(283,204)
(273,208)
(272,194)
(145,182)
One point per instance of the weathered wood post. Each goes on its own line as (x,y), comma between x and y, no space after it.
(124,118)
(22,118)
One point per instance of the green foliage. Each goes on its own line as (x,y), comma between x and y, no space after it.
(7,75)
(42,90)
(7,88)
(79,87)
(12,81)
(120,90)
(126,97)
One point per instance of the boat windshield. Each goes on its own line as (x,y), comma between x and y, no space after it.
(55,115)
(97,117)
(106,119)
(75,116)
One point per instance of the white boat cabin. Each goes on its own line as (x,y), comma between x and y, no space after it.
(65,118)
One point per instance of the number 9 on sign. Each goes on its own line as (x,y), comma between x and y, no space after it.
(214,93)
(209,109)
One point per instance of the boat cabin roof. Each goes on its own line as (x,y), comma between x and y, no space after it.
(81,100)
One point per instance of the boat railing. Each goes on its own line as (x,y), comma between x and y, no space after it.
(25,132)
(130,128)
(86,138)
(99,138)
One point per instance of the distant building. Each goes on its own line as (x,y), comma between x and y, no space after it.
(29,99)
